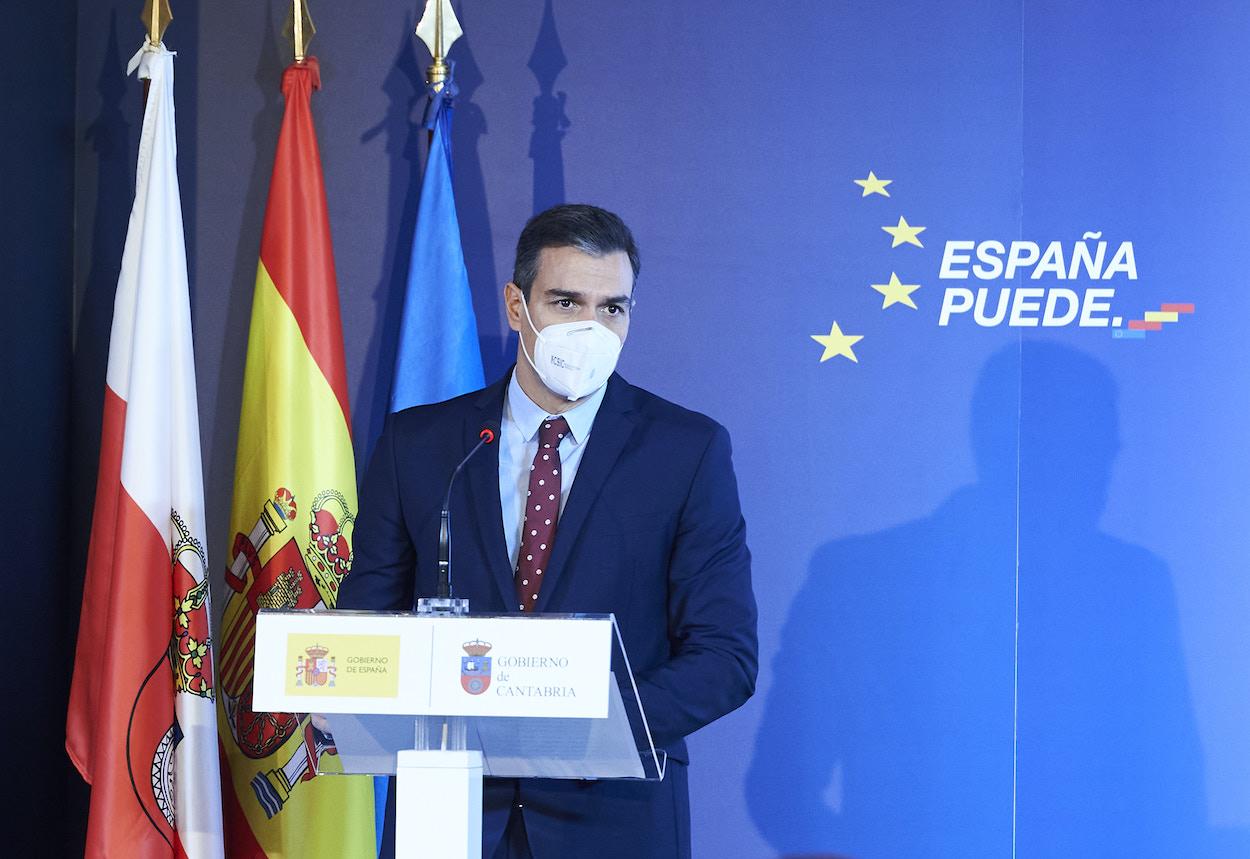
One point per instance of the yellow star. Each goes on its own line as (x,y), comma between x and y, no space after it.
(837,343)
(873,185)
(896,293)
(905,233)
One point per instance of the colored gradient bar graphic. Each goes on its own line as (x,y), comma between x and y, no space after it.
(1152,320)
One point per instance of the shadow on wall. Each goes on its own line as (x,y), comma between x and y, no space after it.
(185,42)
(476,235)
(109,135)
(219,487)
(890,728)
(550,119)
(50,811)
(404,86)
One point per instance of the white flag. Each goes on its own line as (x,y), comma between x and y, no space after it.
(142,728)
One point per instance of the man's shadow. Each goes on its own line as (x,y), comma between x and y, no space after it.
(908,719)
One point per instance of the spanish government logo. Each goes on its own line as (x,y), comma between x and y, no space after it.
(475,668)
(315,667)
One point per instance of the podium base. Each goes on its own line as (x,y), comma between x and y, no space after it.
(438,804)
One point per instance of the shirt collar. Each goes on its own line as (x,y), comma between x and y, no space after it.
(528,415)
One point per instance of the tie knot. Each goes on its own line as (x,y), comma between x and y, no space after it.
(551,431)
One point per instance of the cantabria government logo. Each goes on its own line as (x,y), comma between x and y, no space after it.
(993,281)
(475,667)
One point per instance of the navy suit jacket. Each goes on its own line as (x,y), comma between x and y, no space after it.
(651,531)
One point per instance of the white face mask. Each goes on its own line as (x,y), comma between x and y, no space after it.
(573,359)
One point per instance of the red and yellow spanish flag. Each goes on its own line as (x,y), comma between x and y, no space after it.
(292,514)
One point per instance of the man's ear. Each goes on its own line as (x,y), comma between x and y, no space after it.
(512,299)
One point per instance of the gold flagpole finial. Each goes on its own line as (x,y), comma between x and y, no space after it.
(439,29)
(299,28)
(156,17)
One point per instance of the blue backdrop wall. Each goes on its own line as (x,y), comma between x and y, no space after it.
(36,621)
(1000,552)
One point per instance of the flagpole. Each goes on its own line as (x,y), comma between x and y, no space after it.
(300,29)
(156,16)
(439,29)
(437,72)
(297,18)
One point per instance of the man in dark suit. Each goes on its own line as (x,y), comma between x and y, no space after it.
(599,497)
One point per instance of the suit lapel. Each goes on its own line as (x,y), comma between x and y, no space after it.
(482,476)
(611,431)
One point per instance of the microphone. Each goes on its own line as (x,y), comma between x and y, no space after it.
(486,435)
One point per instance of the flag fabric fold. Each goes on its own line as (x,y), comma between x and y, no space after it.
(437,356)
(141,726)
(292,513)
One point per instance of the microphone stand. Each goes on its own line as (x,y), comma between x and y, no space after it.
(443,603)
(446,732)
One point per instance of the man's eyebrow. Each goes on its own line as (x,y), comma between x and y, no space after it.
(574,295)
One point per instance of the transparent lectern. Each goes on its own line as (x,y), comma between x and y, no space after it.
(442,698)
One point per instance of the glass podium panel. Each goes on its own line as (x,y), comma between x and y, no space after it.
(511,747)
(619,746)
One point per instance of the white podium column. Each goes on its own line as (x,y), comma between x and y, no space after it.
(438,804)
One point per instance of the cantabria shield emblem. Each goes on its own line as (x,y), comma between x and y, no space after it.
(475,668)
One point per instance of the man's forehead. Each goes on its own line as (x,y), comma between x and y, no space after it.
(569,269)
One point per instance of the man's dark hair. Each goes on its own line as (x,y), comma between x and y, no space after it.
(590,229)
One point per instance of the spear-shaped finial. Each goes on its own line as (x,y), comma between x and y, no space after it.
(439,29)
(156,17)
(299,29)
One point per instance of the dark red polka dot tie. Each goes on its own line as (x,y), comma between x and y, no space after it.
(542,513)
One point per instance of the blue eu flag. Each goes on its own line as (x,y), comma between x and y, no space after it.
(437,356)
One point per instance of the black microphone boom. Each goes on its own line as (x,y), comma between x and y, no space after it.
(485,436)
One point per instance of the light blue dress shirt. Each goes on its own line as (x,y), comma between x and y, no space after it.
(518,444)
